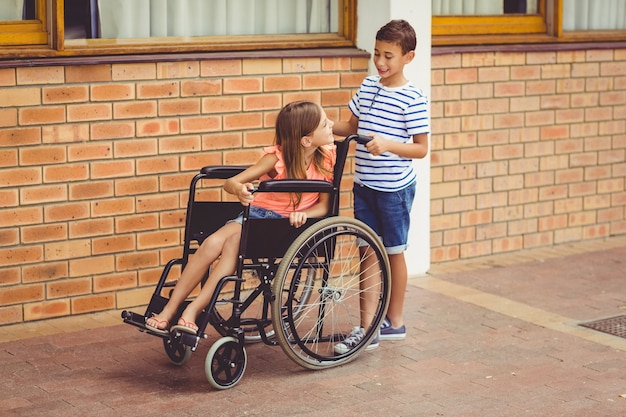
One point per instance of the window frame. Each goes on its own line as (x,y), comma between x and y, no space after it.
(51,38)
(26,32)
(544,27)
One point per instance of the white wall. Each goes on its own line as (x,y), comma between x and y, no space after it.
(372,15)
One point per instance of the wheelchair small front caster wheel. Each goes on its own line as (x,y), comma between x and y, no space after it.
(225,363)
(178,353)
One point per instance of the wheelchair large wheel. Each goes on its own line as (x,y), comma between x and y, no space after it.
(178,353)
(225,363)
(309,327)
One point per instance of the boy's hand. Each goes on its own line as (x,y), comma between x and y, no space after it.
(244,194)
(377,146)
(297,218)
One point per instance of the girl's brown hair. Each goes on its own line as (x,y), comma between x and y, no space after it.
(294,121)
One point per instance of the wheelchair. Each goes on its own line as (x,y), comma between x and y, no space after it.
(300,288)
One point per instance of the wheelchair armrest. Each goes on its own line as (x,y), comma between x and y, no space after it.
(222,171)
(296,186)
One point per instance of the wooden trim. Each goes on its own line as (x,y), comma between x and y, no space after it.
(193,56)
(526,47)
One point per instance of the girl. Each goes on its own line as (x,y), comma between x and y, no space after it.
(304,149)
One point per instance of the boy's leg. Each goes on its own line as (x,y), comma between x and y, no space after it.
(399,278)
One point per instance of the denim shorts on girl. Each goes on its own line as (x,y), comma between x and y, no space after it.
(387,213)
(256,213)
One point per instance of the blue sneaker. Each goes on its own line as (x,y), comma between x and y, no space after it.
(353,339)
(391,333)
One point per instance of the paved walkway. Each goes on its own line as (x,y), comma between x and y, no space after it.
(496,336)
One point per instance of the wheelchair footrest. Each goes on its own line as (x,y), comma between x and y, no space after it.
(133,318)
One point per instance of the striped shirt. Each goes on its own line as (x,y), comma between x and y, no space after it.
(395,114)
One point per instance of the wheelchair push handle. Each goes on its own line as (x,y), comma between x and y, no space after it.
(362,139)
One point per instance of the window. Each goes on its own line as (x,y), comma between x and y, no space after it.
(23,22)
(527,21)
(84,27)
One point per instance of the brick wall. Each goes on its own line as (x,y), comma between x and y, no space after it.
(95,163)
(528,150)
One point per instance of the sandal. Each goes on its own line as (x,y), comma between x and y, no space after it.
(186,326)
(158,329)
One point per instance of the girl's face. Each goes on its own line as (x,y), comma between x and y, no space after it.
(390,62)
(323,134)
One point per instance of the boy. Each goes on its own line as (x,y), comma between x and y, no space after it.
(394,113)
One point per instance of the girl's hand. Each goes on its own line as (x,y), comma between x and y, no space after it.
(244,194)
(297,218)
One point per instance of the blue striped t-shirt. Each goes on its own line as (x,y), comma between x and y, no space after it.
(395,114)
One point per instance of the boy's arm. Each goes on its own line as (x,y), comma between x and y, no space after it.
(415,150)
(346,128)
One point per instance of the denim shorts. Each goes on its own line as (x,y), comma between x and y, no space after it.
(387,213)
(257,213)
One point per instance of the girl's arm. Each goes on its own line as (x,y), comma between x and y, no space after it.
(298,218)
(241,184)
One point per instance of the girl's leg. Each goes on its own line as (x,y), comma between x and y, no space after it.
(226,265)
(197,266)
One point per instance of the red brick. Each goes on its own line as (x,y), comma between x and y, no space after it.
(91,190)
(43,194)
(134,148)
(48,271)
(135,186)
(135,109)
(46,310)
(20,177)
(202,87)
(243,85)
(111,169)
(93,303)
(68,288)
(9,237)
(201,124)
(88,112)
(163,89)
(113,244)
(89,151)
(177,107)
(184,69)
(64,212)
(114,282)
(41,115)
(158,239)
(65,94)
(90,227)
(157,127)
(112,130)
(217,68)
(112,92)
(92,265)
(20,216)
(131,72)
(87,73)
(8,117)
(281,83)
(243,121)
(21,294)
(113,207)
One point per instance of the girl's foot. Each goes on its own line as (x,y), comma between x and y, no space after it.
(157,325)
(186,326)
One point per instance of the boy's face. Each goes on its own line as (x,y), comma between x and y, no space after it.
(390,62)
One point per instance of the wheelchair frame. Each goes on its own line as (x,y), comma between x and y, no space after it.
(310,291)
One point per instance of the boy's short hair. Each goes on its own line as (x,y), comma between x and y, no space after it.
(399,32)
